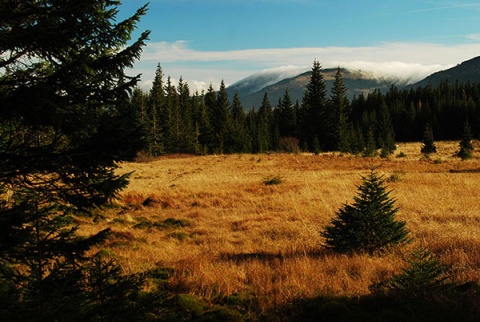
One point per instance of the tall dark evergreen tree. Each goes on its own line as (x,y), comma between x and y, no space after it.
(237,137)
(386,134)
(315,106)
(340,111)
(370,149)
(157,123)
(286,116)
(252,131)
(139,101)
(170,111)
(197,119)
(220,119)
(265,134)
(204,130)
(183,120)
(210,100)
(357,141)
(65,122)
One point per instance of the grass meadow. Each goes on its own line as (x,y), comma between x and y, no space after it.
(250,224)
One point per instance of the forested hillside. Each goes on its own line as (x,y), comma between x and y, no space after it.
(178,121)
(467,70)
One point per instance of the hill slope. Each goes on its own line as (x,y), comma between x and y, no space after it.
(467,71)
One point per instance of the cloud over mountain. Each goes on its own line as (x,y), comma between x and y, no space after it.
(409,61)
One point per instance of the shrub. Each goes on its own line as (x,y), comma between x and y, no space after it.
(272,180)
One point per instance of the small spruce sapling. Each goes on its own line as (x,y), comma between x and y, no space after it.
(369,224)
(429,146)
(466,147)
(424,273)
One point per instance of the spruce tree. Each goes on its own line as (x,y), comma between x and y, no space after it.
(356,136)
(157,116)
(209,101)
(423,275)
(266,130)
(170,117)
(139,102)
(340,128)
(252,131)
(65,122)
(369,224)
(370,149)
(386,131)
(287,119)
(466,146)
(204,129)
(197,109)
(314,105)
(237,137)
(429,146)
(183,120)
(220,119)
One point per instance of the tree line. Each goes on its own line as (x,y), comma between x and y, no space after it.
(177,121)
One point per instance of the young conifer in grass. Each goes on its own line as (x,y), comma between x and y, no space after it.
(466,147)
(428,141)
(424,273)
(369,224)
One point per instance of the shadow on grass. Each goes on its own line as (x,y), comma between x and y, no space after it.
(458,304)
(269,257)
(455,304)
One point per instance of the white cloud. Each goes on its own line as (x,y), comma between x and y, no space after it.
(475,37)
(407,52)
(456,6)
(407,72)
(274,75)
(410,61)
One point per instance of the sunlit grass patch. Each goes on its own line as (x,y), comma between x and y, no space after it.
(224,231)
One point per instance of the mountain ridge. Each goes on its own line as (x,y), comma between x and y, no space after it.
(357,82)
(468,70)
(274,82)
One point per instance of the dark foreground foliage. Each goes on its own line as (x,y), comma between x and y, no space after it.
(65,123)
(456,304)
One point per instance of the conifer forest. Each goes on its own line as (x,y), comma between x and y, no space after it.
(178,121)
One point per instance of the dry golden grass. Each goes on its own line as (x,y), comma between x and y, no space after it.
(245,236)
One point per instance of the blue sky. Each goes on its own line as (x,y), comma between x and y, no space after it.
(205,41)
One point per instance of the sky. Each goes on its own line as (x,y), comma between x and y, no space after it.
(207,41)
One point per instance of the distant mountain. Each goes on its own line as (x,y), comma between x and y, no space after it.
(467,71)
(252,89)
(262,79)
